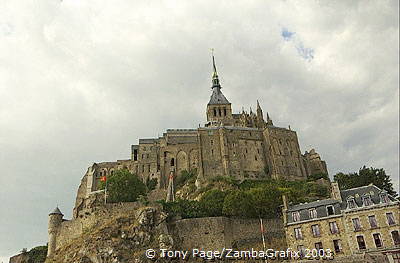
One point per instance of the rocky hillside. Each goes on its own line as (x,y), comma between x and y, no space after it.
(118,239)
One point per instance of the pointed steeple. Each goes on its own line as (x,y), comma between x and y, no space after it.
(215,80)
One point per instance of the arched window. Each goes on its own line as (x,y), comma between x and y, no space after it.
(172,162)
(219,111)
(224,111)
(215,112)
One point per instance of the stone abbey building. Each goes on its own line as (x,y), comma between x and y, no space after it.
(243,145)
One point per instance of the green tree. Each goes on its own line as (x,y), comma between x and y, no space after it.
(240,204)
(212,202)
(37,254)
(123,186)
(265,201)
(366,176)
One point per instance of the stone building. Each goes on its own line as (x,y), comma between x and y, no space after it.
(363,220)
(242,145)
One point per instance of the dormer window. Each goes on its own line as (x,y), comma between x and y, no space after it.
(296,216)
(367,201)
(313,213)
(351,203)
(384,197)
(330,210)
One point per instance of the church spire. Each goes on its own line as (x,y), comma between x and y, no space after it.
(215,80)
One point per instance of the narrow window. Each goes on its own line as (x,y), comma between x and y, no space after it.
(333,227)
(361,242)
(172,162)
(297,233)
(367,201)
(330,210)
(356,224)
(337,246)
(219,111)
(390,219)
(255,157)
(296,216)
(396,237)
(165,154)
(302,250)
(319,246)
(312,213)
(148,168)
(147,156)
(384,198)
(224,112)
(315,230)
(351,203)
(215,112)
(372,221)
(377,240)
(135,155)
(212,152)
(212,142)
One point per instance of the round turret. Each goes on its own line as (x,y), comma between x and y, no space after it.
(55,220)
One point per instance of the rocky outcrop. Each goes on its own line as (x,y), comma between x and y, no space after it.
(119,239)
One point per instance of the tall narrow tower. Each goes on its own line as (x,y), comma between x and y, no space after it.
(55,220)
(219,109)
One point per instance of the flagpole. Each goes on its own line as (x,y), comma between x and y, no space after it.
(262,235)
(105,193)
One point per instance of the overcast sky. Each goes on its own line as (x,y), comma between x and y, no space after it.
(80,81)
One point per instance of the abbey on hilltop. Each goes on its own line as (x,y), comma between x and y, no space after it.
(242,145)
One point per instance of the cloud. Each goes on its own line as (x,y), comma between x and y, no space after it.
(80,81)
(304,52)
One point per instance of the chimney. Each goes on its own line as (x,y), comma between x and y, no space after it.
(335,191)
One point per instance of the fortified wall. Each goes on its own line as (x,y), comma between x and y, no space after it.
(203,233)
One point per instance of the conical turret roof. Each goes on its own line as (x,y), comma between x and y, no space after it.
(56,211)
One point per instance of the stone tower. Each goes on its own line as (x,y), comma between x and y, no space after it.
(55,220)
(219,109)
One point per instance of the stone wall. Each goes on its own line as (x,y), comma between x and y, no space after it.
(222,232)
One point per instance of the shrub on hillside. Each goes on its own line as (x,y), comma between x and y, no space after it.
(123,186)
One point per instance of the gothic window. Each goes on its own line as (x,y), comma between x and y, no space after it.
(172,162)
(215,112)
(219,112)
(224,112)
(372,221)
(135,155)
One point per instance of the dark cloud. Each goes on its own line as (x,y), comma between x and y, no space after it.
(80,81)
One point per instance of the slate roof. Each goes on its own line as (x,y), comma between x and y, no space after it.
(217,97)
(358,193)
(312,204)
(56,211)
